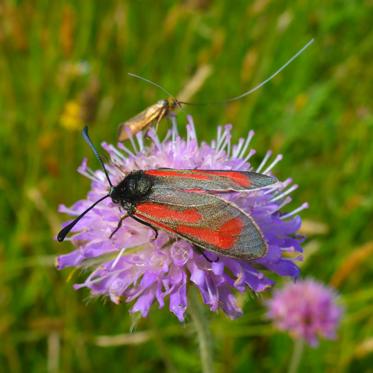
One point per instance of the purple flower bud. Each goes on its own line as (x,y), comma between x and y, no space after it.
(133,267)
(307,310)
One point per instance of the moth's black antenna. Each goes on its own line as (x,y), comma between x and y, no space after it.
(151,82)
(63,232)
(95,152)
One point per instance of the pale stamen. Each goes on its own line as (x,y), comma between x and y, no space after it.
(89,282)
(247,143)
(228,141)
(264,161)
(273,164)
(285,193)
(219,138)
(167,137)
(133,143)
(237,148)
(296,211)
(285,202)
(154,137)
(174,128)
(249,155)
(87,172)
(114,153)
(192,128)
(118,257)
(140,140)
(125,149)
(229,147)
(224,144)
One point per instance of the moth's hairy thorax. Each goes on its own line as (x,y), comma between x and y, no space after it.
(134,188)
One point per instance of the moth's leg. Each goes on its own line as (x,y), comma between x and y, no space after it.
(160,117)
(148,225)
(119,225)
(202,252)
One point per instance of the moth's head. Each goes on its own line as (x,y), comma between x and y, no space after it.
(173,103)
(134,187)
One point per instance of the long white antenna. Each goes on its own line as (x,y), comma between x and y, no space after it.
(247,93)
(151,82)
(296,55)
(273,75)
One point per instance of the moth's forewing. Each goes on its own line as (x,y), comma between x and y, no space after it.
(141,121)
(211,180)
(205,220)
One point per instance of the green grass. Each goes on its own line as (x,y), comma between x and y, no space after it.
(317,113)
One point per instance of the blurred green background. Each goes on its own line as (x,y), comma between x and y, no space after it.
(65,63)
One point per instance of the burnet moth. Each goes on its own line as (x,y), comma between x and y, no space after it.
(189,205)
(155,113)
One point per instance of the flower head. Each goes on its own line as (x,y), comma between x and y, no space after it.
(307,309)
(133,267)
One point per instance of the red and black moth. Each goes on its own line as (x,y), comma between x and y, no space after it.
(189,205)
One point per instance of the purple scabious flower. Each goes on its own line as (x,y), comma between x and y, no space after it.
(307,309)
(133,267)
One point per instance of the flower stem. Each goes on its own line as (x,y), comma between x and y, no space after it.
(297,355)
(203,332)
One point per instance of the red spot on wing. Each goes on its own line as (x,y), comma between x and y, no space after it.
(223,237)
(192,174)
(237,177)
(157,211)
(157,224)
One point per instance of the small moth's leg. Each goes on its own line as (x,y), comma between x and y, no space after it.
(159,117)
(162,113)
(201,251)
(148,225)
(119,225)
